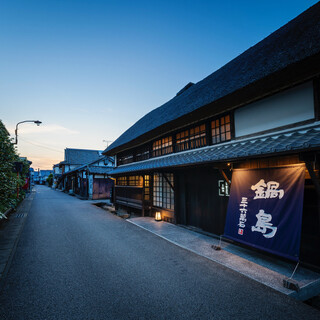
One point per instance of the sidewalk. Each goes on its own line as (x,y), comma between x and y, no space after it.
(261,268)
(10,233)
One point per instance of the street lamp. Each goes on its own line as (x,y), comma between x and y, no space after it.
(37,122)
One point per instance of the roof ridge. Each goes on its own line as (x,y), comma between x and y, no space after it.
(294,42)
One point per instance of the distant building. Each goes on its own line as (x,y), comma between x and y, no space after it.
(77,157)
(91,180)
(40,176)
(85,173)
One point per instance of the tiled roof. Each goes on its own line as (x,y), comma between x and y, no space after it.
(282,142)
(99,170)
(92,168)
(81,156)
(294,42)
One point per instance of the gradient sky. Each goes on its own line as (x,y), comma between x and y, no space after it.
(90,69)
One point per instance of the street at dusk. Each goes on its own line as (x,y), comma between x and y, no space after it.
(159,159)
(75,261)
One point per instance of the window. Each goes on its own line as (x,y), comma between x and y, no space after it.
(142,154)
(133,181)
(163,194)
(192,138)
(147,187)
(221,129)
(162,146)
(122,181)
(182,141)
(126,158)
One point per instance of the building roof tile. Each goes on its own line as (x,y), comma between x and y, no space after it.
(81,156)
(282,142)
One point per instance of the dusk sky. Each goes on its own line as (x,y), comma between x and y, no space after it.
(90,69)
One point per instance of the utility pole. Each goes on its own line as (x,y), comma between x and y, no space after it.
(107,142)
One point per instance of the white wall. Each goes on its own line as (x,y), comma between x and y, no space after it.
(288,107)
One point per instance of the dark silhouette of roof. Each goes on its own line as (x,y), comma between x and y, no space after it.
(93,167)
(297,40)
(99,170)
(80,156)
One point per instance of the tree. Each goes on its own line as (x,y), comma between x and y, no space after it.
(50,180)
(9,181)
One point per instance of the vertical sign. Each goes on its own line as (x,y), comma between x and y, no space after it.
(265,209)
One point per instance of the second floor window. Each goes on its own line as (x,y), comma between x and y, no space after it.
(127,158)
(192,138)
(162,146)
(221,129)
(142,154)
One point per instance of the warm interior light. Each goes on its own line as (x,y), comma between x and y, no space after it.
(158,216)
(228,164)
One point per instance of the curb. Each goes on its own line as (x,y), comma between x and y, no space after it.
(10,235)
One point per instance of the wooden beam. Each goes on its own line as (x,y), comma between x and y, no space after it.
(169,183)
(313,177)
(316,97)
(225,176)
(316,184)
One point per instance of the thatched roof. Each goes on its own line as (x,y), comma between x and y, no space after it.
(294,42)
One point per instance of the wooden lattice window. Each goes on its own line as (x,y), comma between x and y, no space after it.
(162,146)
(142,154)
(124,159)
(163,194)
(122,181)
(135,181)
(221,129)
(147,187)
(192,138)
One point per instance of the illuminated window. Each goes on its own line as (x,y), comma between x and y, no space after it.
(221,129)
(198,136)
(162,146)
(163,194)
(147,187)
(182,141)
(122,181)
(133,181)
(192,138)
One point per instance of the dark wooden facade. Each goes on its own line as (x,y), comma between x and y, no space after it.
(187,189)
(198,202)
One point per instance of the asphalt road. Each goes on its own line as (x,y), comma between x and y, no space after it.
(76,261)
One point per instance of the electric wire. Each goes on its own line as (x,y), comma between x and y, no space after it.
(40,145)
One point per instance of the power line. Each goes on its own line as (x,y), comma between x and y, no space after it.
(40,145)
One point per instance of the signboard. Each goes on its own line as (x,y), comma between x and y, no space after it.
(265,209)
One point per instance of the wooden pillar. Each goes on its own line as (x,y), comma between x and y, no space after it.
(143,185)
(316,183)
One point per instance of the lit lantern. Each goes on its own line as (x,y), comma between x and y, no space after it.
(158,216)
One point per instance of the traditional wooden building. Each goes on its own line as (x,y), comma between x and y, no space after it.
(91,180)
(260,110)
(73,158)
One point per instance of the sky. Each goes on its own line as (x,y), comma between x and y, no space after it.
(90,69)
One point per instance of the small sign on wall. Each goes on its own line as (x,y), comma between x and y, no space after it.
(224,189)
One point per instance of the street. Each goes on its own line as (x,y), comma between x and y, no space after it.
(77,261)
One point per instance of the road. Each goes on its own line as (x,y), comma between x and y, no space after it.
(76,261)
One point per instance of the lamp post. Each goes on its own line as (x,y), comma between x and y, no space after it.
(37,122)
